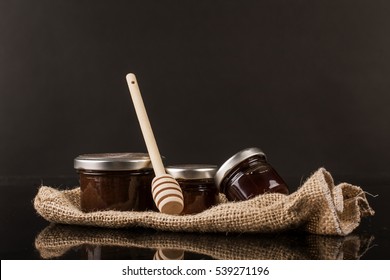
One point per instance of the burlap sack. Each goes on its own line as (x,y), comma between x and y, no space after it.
(318,207)
(56,240)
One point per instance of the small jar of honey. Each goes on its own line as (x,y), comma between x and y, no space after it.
(115,181)
(197,184)
(248,174)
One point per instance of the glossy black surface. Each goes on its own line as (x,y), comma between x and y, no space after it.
(25,235)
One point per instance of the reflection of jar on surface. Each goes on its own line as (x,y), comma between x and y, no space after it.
(197,184)
(248,174)
(94,252)
(118,181)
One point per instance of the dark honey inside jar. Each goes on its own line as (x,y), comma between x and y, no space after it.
(197,184)
(248,174)
(115,181)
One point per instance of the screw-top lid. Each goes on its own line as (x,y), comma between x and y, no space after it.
(192,171)
(234,161)
(113,162)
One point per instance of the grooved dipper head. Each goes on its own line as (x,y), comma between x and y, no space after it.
(167,194)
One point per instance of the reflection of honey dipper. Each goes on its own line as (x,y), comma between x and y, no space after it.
(169,254)
(165,190)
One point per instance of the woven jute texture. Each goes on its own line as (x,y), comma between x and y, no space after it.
(318,207)
(56,240)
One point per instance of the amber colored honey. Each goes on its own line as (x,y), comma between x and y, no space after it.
(116,190)
(253,176)
(198,194)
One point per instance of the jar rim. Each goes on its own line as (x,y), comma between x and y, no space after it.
(235,160)
(113,161)
(192,171)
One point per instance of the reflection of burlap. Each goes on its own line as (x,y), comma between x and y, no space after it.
(318,206)
(56,240)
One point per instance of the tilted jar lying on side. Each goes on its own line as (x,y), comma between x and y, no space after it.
(248,174)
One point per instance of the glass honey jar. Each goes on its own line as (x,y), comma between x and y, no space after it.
(115,181)
(248,174)
(197,184)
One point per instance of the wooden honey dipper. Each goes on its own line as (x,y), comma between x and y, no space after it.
(166,191)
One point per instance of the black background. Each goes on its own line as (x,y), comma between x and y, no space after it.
(306,81)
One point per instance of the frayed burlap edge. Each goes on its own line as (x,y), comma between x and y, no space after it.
(318,207)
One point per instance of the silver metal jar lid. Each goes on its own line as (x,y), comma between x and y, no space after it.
(113,162)
(234,161)
(192,171)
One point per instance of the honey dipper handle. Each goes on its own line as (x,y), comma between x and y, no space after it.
(144,122)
